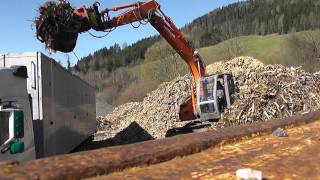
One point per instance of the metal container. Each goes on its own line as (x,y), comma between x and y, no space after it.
(63,106)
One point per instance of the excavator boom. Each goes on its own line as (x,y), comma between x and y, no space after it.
(84,19)
(150,12)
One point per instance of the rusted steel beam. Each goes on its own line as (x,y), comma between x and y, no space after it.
(104,161)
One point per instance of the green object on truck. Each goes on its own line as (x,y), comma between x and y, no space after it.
(17,147)
(18,124)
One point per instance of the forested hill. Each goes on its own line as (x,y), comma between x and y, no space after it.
(258,17)
(254,17)
(115,56)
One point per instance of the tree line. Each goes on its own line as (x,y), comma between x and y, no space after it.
(109,59)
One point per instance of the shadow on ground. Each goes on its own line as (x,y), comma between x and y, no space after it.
(195,126)
(132,134)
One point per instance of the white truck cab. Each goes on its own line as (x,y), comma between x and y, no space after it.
(16,129)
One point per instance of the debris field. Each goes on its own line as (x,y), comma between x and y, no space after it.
(266,92)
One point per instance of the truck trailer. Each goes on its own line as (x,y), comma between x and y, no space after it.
(44,109)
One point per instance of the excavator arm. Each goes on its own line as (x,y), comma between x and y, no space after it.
(84,19)
(150,12)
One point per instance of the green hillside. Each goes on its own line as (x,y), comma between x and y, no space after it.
(295,49)
(256,46)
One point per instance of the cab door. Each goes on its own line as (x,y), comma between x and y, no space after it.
(206,98)
(16,127)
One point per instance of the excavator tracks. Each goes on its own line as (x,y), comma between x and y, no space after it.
(206,155)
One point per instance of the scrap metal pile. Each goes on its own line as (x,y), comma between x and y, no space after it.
(266,91)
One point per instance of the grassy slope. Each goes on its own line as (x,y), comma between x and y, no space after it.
(270,49)
(260,47)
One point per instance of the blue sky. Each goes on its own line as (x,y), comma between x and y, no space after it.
(17,34)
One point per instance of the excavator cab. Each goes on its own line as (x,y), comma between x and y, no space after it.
(215,93)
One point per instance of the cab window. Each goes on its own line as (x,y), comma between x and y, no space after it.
(232,89)
(206,90)
(207,108)
(231,85)
(4,127)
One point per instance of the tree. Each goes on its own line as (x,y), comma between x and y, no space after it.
(124,45)
(306,50)
(76,68)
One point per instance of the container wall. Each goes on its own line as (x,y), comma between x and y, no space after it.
(68,108)
(63,106)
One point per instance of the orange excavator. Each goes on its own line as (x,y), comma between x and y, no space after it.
(210,94)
